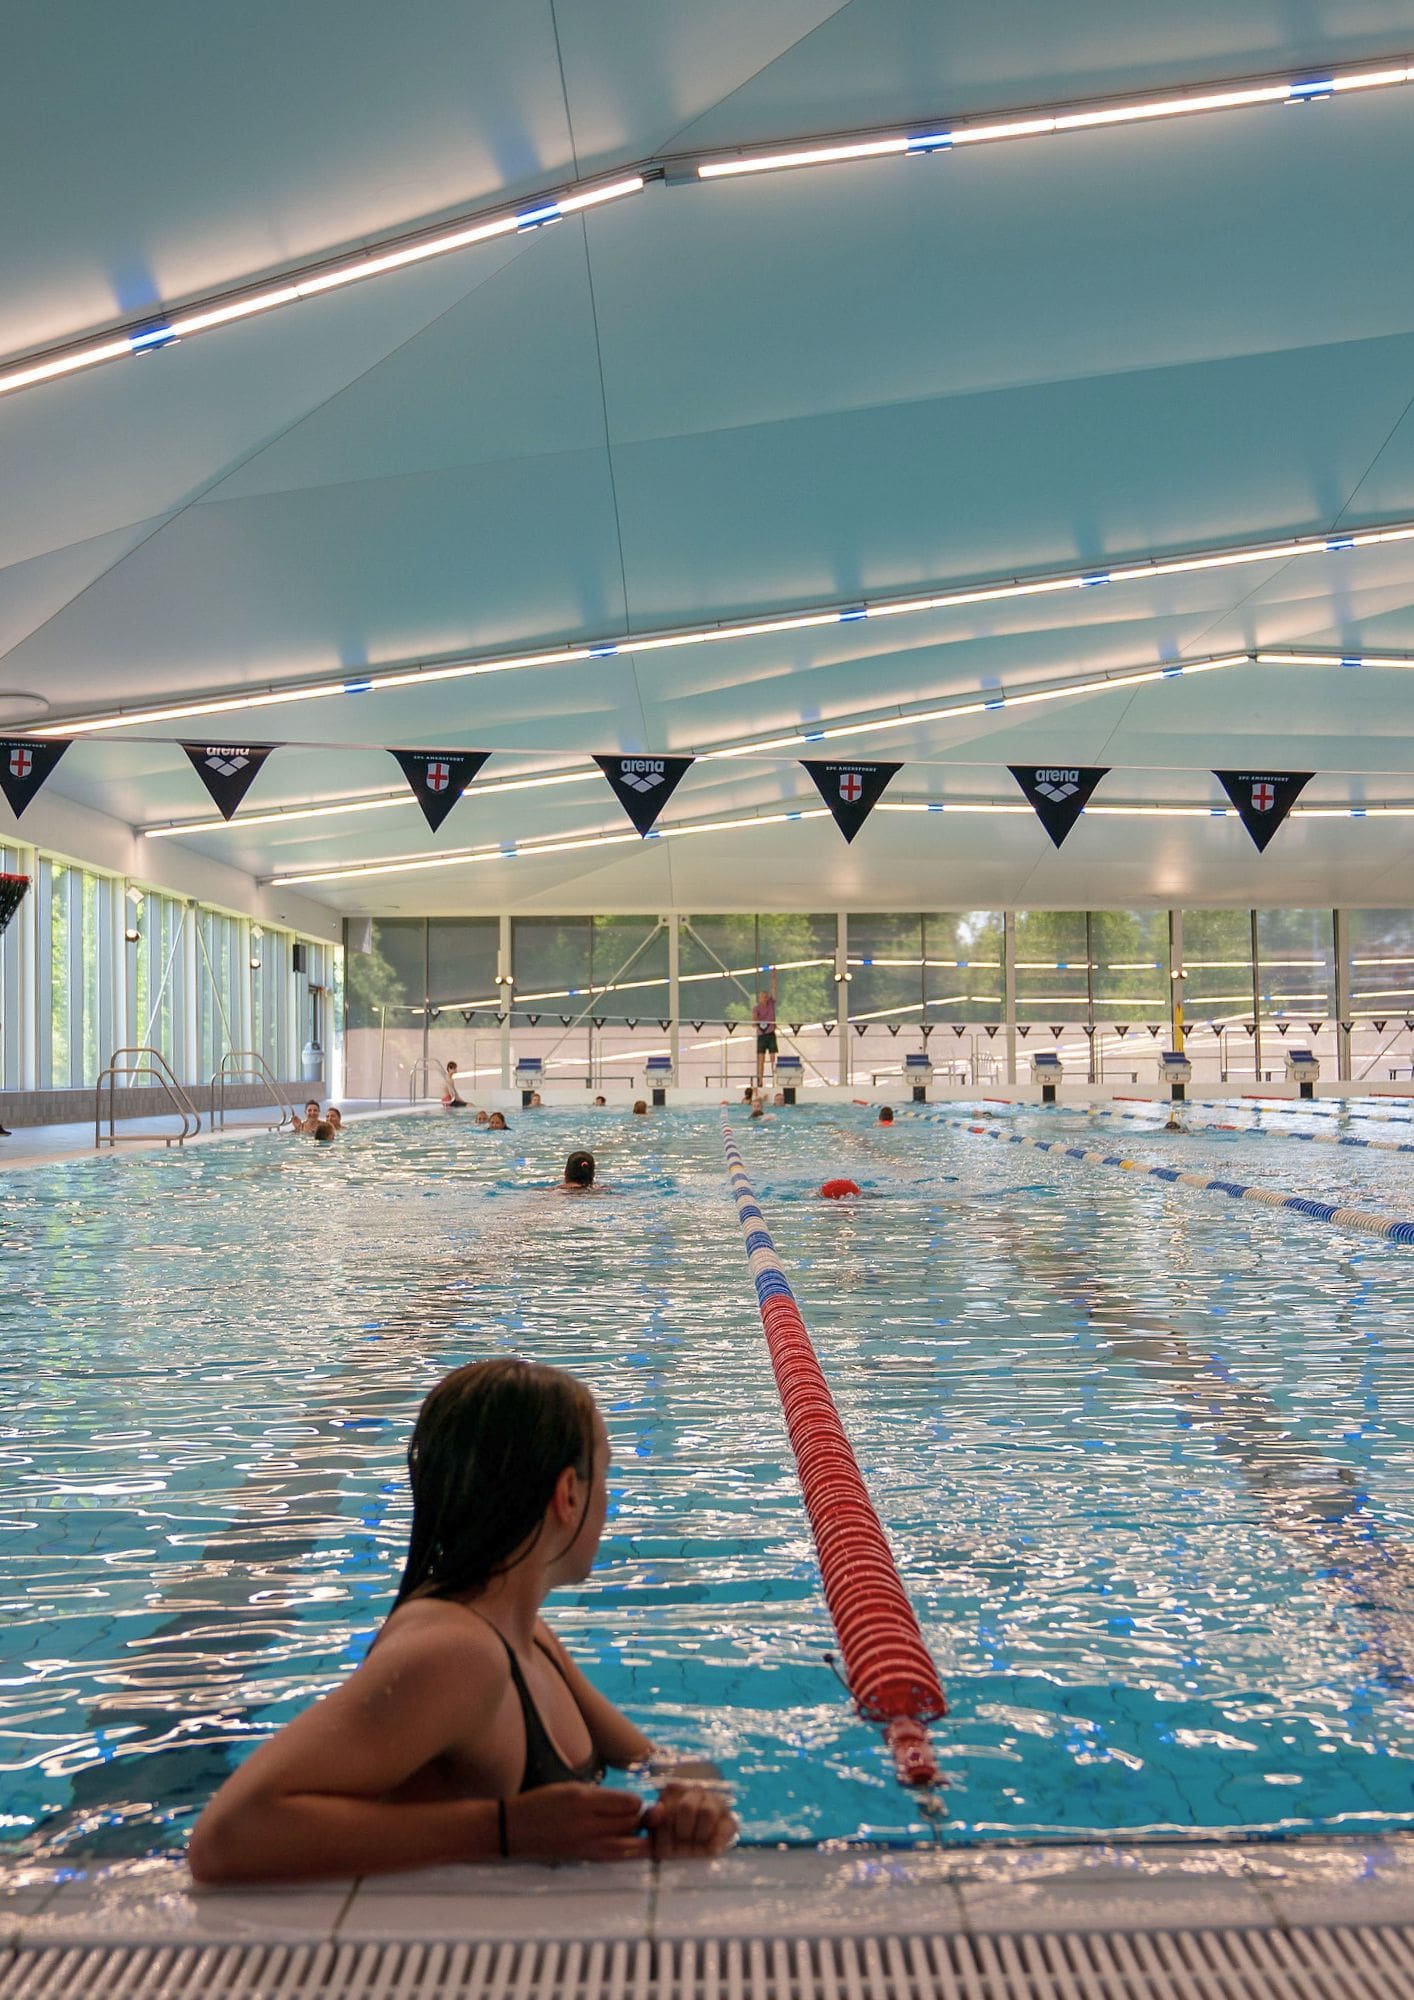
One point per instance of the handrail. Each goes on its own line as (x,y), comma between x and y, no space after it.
(252,1066)
(428,1063)
(156,1066)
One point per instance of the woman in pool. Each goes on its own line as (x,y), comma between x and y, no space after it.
(579,1174)
(468,1732)
(496,1122)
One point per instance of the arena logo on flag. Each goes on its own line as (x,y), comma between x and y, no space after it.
(25,763)
(851,791)
(228,770)
(1057,794)
(1263,799)
(643,785)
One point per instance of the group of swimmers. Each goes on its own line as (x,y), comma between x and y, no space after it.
(452,1100)
(318,1124)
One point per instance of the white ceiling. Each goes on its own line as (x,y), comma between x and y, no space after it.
(716,400)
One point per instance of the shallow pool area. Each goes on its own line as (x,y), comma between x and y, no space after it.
(1144,1457)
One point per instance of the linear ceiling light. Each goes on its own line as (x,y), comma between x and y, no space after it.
(400,795)
(509,850)
(1284,549)
(978,132)
(162,329)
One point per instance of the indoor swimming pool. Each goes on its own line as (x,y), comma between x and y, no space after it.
(1145,1457)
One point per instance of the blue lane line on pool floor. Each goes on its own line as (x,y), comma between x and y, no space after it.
(1393,1228)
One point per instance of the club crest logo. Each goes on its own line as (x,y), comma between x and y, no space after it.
(851,787)
(1264,797)
(21,763)
(225,761)
(641,774)
(439,776)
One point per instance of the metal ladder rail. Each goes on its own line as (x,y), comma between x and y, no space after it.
(251,1065)
(427,1064)
(156,1066)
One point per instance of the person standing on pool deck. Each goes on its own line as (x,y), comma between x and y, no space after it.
(763,1014)
(468,1731)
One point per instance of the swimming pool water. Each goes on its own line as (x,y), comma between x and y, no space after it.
(1145,1458)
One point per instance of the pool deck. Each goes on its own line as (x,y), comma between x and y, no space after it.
(753,1893)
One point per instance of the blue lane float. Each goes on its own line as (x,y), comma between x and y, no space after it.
(1392,1228)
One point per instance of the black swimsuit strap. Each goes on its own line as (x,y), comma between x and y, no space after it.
(543,1763)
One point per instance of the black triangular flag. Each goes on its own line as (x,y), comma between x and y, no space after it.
(1250,1026)
(796,1026)
(891,1028)
(1315,1027)
(1263,798)
(925,1031)
(1088,1030)
(860,1027)
(643,785)
(664,1026)
(1058,795)
(959,1032)
(1281,1026)
(829,1026)
(532,1020)
(731,1026)
(1155,1032)
(1378,1026)
(228,770)
(851,791)
(1023,1028)
(566,1020)
(25,763)
(1121,1029)
(990,1033)
(439,777)
(630,1021)
(697,1027)
(1057,1033)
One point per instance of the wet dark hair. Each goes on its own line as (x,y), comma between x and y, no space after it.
(579,1170)
(487,1450)
(323,1133)
(886,1115)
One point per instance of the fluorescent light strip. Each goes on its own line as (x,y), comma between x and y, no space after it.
(402,796)
(804,619)
(162,328)
(528,850)
(945,138)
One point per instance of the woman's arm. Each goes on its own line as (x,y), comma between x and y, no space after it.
(313,1800)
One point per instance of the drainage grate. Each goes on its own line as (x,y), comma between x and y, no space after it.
(1367,1962)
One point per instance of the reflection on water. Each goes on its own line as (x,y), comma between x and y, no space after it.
(1145,1461)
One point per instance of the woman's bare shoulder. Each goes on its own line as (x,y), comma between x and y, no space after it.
(432,1630)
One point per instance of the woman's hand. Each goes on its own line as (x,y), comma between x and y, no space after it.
(574,1823)
(689,1819)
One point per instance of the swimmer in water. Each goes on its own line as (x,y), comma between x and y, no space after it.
(323,1134)
(534,1104)
(468,1732)
(496,1122)
(312,1113)
(335,1118)
(600,1103)
(579,1174)
(482,1118)
(640,1107)
(886,1114)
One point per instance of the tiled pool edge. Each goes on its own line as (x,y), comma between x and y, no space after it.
(761,1893)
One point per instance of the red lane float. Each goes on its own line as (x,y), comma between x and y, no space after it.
(887,1667)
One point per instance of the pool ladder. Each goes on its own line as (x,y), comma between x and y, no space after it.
(247,1066)
(128,1064)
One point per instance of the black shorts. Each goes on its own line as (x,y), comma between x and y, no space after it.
(765,1041)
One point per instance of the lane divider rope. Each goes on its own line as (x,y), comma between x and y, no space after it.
(887,1668)
(1256,1131)
(1393,1228)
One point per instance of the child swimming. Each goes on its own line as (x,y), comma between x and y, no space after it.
(468,1732)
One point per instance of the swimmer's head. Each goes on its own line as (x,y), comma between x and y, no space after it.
(497,1122)
(600,1102)
(324,1133)
(451,1069)
(311,1109)
(335,1117)
(483,1118)
(507,1458)
(534,1104)
(640,1107)
(886,1115)
(579,1170)
(757,1109)
(838,1190)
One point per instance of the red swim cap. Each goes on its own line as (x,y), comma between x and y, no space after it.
(837,1190)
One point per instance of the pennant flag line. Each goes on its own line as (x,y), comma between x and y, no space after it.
(439,777)
(1263,799)
(25,763)
(851,791)
(1058,795)
(227,770)
(643,785)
